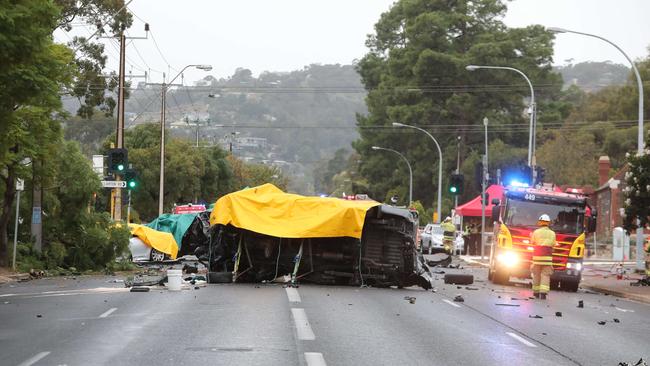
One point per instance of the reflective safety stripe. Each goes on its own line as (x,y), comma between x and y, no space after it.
(544,288)
(543,260)
(542,257)
(535,288)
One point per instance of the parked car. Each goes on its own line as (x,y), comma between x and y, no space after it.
(431,240)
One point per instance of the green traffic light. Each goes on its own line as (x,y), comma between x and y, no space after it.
(131,184)
(120,167)
(453,189)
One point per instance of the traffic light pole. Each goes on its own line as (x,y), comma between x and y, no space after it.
(128,209)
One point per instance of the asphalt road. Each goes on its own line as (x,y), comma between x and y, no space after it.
(90,321)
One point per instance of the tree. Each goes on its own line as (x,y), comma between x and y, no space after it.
(32,75)
(191,174)
(637,191)
(415,74)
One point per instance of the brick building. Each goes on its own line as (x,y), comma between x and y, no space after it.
(608,198)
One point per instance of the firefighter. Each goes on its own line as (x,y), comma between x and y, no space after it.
(448,235)
(543,240)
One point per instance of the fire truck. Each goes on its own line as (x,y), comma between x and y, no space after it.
(515,216)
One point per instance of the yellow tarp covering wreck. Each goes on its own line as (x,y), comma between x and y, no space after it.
(161,241)
(267,210)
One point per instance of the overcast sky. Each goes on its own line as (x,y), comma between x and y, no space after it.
(284,35)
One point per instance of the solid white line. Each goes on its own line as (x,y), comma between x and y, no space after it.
(292,294)
(451,303)
(520,339)
(108,312)
(315,359)
(302,325)
(34,359)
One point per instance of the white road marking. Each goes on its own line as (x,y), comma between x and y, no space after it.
(520,339)
(451,303)
(624,310)
(98,290)
(107,312)
(34,359)
(292,294)
(302,325)
(315,359)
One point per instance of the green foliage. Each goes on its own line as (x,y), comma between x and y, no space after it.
(191,173)
(415,74)
(424,217)
(637,191)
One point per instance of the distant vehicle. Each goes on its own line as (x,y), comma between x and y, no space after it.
(189,208)
(431,240)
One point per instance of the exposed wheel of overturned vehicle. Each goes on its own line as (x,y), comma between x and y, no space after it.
(156,255)
(220,277)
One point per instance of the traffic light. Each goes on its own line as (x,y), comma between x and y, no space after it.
(117,160)
(456,184)
(131,178)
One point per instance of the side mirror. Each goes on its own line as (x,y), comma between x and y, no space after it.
(496,201)
(495,213)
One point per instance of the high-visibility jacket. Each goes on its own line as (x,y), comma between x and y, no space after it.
(448,230)
(543,240)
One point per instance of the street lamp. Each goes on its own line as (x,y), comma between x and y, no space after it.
(640,143)
(395,124)
(410,170)
(165,86)
(484,182)
(532,107)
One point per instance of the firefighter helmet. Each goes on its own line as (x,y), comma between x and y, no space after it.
(544,220)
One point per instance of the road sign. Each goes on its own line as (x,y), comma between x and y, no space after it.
(20,184)
(113,184)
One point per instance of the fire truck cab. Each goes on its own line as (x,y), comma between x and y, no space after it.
(515,216)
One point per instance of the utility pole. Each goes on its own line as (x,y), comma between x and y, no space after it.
(37,209)
(116,194)
(457,166)
(119,136)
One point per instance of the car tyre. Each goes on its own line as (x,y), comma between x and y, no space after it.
(500,277)
(570,285)
(157,256)
(459,279)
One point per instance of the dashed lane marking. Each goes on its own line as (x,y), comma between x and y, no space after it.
(107,312)
(293,294)
(34,359)
(451,303)
(302,325)
(521,339)
(315,359)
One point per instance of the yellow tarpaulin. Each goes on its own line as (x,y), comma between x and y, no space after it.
(267,210)
(161,241)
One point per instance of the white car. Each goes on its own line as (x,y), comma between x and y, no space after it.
(431,240)
(142,252)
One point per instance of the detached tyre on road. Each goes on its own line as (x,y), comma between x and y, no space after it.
(459,279)
(499,277)
(570,285)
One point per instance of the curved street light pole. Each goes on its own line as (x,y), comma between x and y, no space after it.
(407,164)
(533,107)
(640,143)
(163,92)
(395,124)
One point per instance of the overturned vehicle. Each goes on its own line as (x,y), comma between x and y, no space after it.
(263,234)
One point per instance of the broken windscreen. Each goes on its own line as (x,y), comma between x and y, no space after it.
(565,218)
